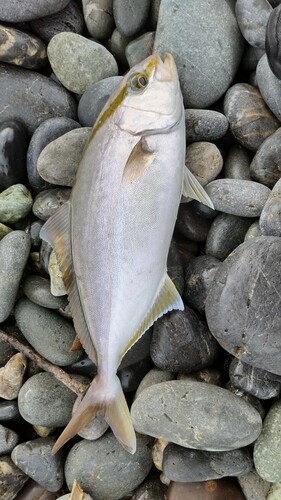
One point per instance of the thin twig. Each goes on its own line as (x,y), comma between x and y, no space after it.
(72,384)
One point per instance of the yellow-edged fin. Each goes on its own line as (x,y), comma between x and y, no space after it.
(76,492)
(118,417)
(167,300)
(139,160)
(192,189)
(76,345)
(56,231)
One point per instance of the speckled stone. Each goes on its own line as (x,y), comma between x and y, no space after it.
(34,231)
(12,478)
(266,164)
(98,15)
(272,41)
(37,289)
(252,17)
(208,375)
(254,487)
(204,160)
(9,411)
(204,125)
(226,233)
(140,48)
(8,440)
(21,49)
(13,147)
(267,446)
(252,400)
(270,223)
(190,225)
(116,472)
(237,164)
(15,203)
(94,99)
(47,202)
(57,284)
(269,86)
(16,11)
(68,19)
(117,46)
(78,62)
(130,15)
(175,268)
(12,375)
(253,231)
(259,383)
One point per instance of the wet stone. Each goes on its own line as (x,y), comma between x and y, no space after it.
(190,225)
(59,161)
(269,86)
(267,446)
(253,231)
(186,413)
(204,160)
(204,125)
(199,276)
(270,223)
(254,487)
(242,306)
(117,46)
(47,202)
(17,11)
(12,478)
(259,383)
(272,41)
(9,411)
(130,16)
(48,332)
(12,375)
(266,164)
(68,19)
(79,62)
(252,17)
(21,49)
(14,252)
(98,16)
(251,122)
(154,376)
(237,164)
(116,472)
(13,147)
(207,490)
(238,197)
(94,99)
(140,48)
(37,289)
(226,233)
(182,343)
(151,489)
(15,203)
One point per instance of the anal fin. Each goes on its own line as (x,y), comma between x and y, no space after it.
(191,188)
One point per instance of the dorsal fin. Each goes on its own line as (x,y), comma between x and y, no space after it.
(191,188)
(56,231)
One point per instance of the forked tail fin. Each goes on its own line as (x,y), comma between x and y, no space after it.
(112,403)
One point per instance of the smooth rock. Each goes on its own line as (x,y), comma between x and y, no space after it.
(37,289)
(21,49)
(13,147)
(266,165)
(243,303)
(269,86)
(130,15)
(251,58)
(259,383)
(204,125)
(117,46)
(270,224)
(94,99)
(43,431)
(44,256)
(116,473)
(226,233)
(79,62)
(175,268)
(14,252)
(199,276)
(17,11)
(252,17)
(251,122)
(31,97)
(9,411)
(140,48)
(45,401)
(272,41)
(187,465)
(252,400)
(254,487)
(131,376)
(267,446)
(253,231)
(4,230)
(190,225)
(208,375)
(57,284)
(182,343)
(151,489)
(47,331)
(238,197)
(34,231)
(68,19)
(59,161)
(207,490)
(34,491)
(15,203)
(154,376)
(12,478)
(12,375)
(158,452)
(8,440)
(207,53)
(237,163)
(36,460)
(204,160)
(85,366)
(47,202)
(98,15)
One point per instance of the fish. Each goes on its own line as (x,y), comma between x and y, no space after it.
(112,237)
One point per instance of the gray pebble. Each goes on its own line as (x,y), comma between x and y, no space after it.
(16,11)
(12,478)
(117,46)
(95,428)
(186,413)
(130,15)
(226,233)
(199,276)
(34,231)
(251,58)
(266,164)
(204,125)
(238,197)
(47,202)
(204,160)
(116,472)
(8,440)
(267,446)
(190,225)
(175,268)
(98,15)
(35,459)
(94,99)
(21,49)
(78,62)
(206,59)
(237,163)
(269,86)
(59,161)
(154,376)
(270,223)
(37,289)
(139,351)
(151,489)
(15,203)
(140,48)
(251,122)
(68,19)
(254,487)
(14,252)
(12,376)
(9,410)
(44,257)
(253,231)
(259,383)
(48,332)
(252,17)
(252,400)
(131,376)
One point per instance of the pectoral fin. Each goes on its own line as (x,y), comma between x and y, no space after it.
(139,160)
(192,189)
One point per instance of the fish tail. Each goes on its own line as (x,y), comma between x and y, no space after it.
(112,403)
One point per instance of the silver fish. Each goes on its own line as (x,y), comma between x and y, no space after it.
(112,238)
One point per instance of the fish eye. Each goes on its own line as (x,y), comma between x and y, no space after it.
(138,81)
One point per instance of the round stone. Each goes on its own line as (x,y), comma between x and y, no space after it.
(130,15)
(98,15)
(16,11)
(204,160)
(37,289)
(94,99)
(12,478)
(269,86)
(270,223)
(8,440)
(68,19)
(251,58)
(253,231)
(266,164)
(252,17)
(219,489)
(204,125)
(154,376)
(272,41)
(12,375)
(140,48)
(199,276)
(47,202)
(15,203)
(117,46)
(226,233)
(259,383)
(267,446)
(9,410)
(190,225)
(13,147)
(252,485)
(151,489)
(237,164)
(21,49)
(131,376)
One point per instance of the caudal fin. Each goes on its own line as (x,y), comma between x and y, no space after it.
(112,403)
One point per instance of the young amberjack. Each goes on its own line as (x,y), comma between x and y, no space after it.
(112,238)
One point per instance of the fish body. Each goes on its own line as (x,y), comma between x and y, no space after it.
(112,238)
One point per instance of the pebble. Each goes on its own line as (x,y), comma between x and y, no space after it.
(130,15)
(68,19)
(79,62)
(116,473)
(16,11)
(21,49)
(13,148)
(187,465)
(207,53)
(208,375)
(248,282)
(4,230)
(59,161)
(226,233)
(199,276)
(37,289)
(251,58)
(190,225)
(47,132)
(35,228)
(6,351)
(175,268)
(15,203)
(269,86)
(45,401)
(237,163)
(44,256)
(117,46)
(253,231)
(9,410)
(272,41)
(94,99)
(238,197)
(57,284)
(204,125)
(207,490)
(48,332)
(186,413)
(204,160)
(251,122)
(158,452)
(34,491)
(140,48)
(252,17)
(31,97)
(48,202)
(8,440)
(252,400)
(98,15)
(267,446)
(84,366)
(254,487)
(266,165)
(12,375)
(154,376)
(14,252)
(12,478)
(43,431)
(259,383)
(151,489)
(182,343)
(270,223)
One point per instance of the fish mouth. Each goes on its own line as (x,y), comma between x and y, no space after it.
(165,70)
(170,64)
